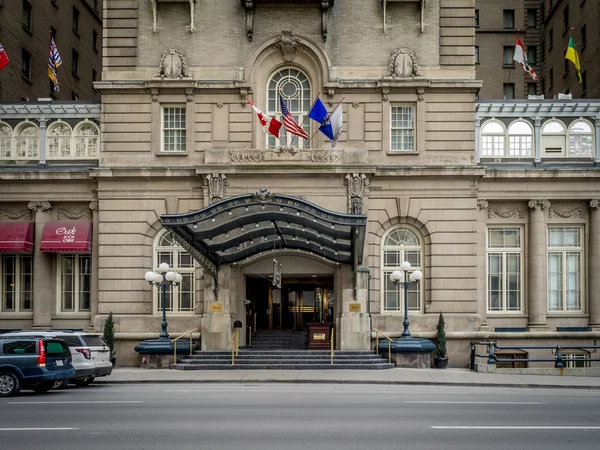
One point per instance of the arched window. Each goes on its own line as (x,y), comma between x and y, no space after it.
(27,138)
(180,299)
(520,139)
(86,140)
(581,139)
(59,140)
(400,244)
(554,134)
(492,139)
(294,87)
(5,140)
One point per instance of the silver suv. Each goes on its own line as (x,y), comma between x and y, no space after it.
(91,356)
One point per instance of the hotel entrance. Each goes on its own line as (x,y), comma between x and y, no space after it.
(298,302)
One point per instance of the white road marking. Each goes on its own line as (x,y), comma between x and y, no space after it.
(89,402)
(510,427)
(38,429)
(434,402)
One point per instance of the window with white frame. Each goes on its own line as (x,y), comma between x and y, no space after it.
(492,139)
(581,139)
(74,280)
(576,360)
(179,299)
(86,136)
(504,269)
(400,244)
(17,283)
(565,271)
(26,138)
(554,135)
(294,87)
(173,128)
(59,140)
(520,139)
(402,128)
(5,141)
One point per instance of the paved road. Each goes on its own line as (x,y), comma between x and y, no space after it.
(286,416)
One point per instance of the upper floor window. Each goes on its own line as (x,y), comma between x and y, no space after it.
(565,271)
(26,139)
(492,139)
(477,54)
(509,19)
(27,15)
(86,140)
(294,87)
(553,138)
(508,54)
(75,20)
(179,298)
(59,140)
(531,18)
(400,244)
(95,40)
(5,140)
(504,269)
(581,139)
(17,283)
(566,17)
(173,128)
(402,128)
(25,64)
(520,139)
(476,18)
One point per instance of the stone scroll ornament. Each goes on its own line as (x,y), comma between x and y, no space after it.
(356,182)
(403,64)
(173,65)
(217,186)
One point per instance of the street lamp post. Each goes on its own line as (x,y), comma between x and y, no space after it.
(395,277)
(163,279)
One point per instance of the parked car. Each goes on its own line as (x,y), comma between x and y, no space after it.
(28,363)
(91,355)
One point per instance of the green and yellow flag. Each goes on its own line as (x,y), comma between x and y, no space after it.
(573,56)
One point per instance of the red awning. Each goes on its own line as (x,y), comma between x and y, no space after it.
(67,237)
(16,237)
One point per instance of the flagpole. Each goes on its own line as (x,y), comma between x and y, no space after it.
(306,115)
(510,69)
(329,114)
(278,94)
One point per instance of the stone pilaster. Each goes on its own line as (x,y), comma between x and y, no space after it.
(43,281)
(216,325)
(537,266)
(94,275)
(594,261)
(354,324)
(537,141)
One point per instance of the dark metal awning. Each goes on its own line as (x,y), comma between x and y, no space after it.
(240,227)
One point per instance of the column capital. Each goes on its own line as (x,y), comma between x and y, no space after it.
(539,204)
(44,206)
(595,204)
(482,204)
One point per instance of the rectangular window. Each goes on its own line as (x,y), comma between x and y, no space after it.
(25,64)
(75,280)
(584,83)
(477,54)
(583,36)
(476,18)
(508,54)
(566,17)
(504,269)
(565,261)
(532,54)
(94,75)
(17,282)
(95,40)
(403,128)
(75,20)
(576,360)
(509,19)
(509,90)
(550,39)
(75,62)
(551,74)
(531,89)
(531,18)
(492,146)
(173,128)
(566,66)
(27,16)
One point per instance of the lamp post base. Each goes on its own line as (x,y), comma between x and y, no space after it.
(413,353)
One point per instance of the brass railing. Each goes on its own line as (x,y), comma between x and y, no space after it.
(174,341)
(331,343)
(377,343)
(235,345)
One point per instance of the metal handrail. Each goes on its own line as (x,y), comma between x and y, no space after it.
(389,343)
(255,322)
(174,341)
(331,341)
(235,348)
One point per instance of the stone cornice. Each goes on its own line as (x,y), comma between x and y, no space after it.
(565,172)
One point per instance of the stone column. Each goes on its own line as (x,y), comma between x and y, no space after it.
(94,275)
(477,140)
(42,143)
(216,324)
(594,261)
(537,141)
(44,286)
(537,270)
(597,142)
(354,324)
(482,300)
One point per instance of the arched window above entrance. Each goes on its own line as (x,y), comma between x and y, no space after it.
(294,87)
(400,244)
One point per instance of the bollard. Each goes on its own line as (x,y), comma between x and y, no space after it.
(472,364)
(559,359)
(491,356)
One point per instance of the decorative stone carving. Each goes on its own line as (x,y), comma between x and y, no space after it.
(356,182)
(15,215)
(94,206)
(243,94)
(576,212)
(287,149)
(403,64)
(44,206)
(326,157)
(539,204)
(154,4)
(355,104)
(506,213)
(386,94)
(420,94)
(249,7)
(482,204)
(595,204)
(154,93)
(262,196)
(173,64)
(66,214)
(217,186)
(219,105)
(246,156)
(288,43)
(189,95)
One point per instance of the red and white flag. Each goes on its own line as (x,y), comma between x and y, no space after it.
(268,124)
(521,57)
(3,58)
(289,123)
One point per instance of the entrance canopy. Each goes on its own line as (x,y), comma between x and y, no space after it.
(240,227)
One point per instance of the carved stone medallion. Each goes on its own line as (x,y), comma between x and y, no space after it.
(403,64)
(288,43)
(173,64)
(217,186)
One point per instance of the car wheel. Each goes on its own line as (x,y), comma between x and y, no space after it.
(61,384)
(84,382)
(9,384)
(43,387)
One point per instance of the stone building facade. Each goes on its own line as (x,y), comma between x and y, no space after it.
(179,137)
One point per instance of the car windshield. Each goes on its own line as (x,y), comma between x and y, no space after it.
(93,340)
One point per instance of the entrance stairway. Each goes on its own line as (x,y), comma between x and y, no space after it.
(282,351)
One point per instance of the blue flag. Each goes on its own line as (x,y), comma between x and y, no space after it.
(319,113)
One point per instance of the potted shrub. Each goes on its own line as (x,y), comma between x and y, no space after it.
(109,337)
(441,353)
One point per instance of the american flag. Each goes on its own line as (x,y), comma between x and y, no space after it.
(289,123)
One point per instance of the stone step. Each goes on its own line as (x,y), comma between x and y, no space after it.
(245,351)
(236,366)
(246,357)
(280,361)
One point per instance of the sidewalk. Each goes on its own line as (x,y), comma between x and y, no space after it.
(447,377)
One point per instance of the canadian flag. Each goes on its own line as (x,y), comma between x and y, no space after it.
(3,58)
(268,124)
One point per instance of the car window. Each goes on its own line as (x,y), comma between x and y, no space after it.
(71,340)
(93,340)
(57,348)
(20,348)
